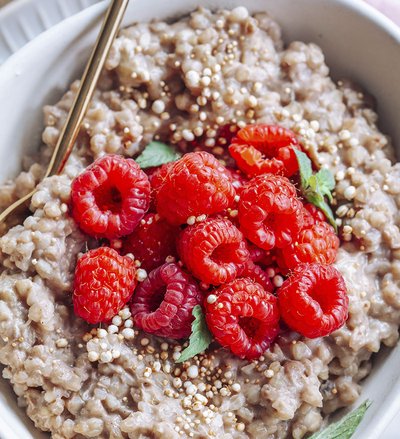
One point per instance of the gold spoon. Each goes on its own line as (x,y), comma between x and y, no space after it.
(69,133)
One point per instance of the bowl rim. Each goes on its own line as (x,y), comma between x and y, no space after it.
(19,29)
(62,26)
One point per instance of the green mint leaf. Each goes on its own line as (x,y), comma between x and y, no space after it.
(345,428)
(305,167)
(156,154)
(316,186)
(313,183)
(200,337)
(326,182)
(318,200)
(326,178)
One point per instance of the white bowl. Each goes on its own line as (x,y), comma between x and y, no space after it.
(22,20)
(358,42)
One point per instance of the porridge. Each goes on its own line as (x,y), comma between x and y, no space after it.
(187,84)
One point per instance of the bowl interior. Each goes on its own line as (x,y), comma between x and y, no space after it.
(358,44)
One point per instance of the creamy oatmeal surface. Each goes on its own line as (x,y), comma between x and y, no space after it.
(179,82)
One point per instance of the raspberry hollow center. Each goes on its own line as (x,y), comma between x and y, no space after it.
(323,298)
(226,253)
(108,198)
(250,326)
(157,299)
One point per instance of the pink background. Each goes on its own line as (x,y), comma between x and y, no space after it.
(391,8)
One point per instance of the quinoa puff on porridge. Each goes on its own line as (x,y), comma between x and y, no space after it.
(221,255)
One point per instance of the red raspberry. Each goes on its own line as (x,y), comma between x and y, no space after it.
(318,243)
(163,303)
(311,215)
(110,197)
(270,214)
(158,175)
(256,254)
(213,250)
(261,149)
(243,318)
(313,301)
(280,260)
(260,256)
(194,185)
(257,274)
(152,241)
(238,180)
(104,283)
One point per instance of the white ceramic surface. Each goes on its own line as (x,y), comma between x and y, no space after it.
(358,42)
(23,20)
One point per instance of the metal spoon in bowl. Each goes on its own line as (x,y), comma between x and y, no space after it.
(69,133)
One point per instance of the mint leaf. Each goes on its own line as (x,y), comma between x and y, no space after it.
(316,186)
(313,183)
(345,428)
(318,200)
(200,337)
(156,154)
(326,178)
(326,182)
(305,167)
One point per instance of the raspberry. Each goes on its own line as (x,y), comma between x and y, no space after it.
(318,243)
(260,256)
(261,149)
(256,254)
(194,185)
(110,197)
(104,283)
(213,250)
(152,241)
(238,180)
(270,214)
(313,301)
(158,175)
(257,274)
(244,318)
(311,215)
(163,303)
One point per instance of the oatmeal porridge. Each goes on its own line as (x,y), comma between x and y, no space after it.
(187,84)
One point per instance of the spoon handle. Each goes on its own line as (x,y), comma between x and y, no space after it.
(70,131)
